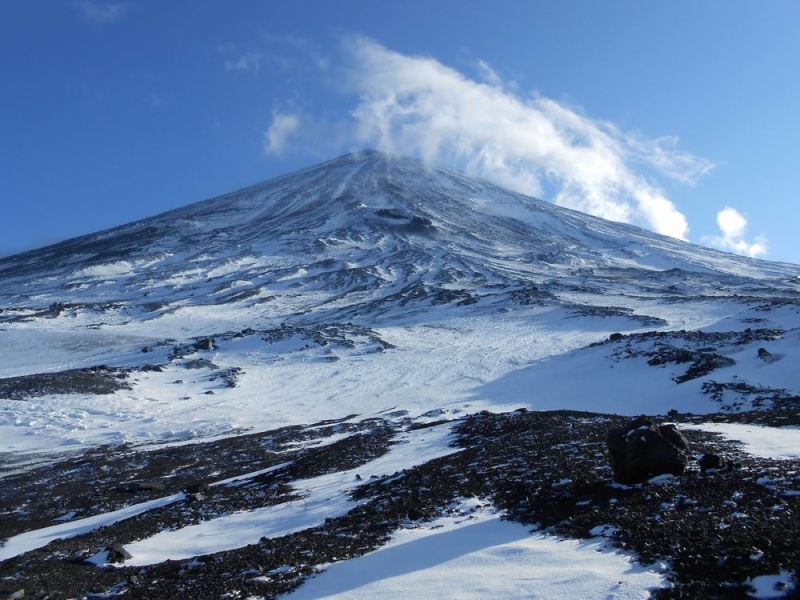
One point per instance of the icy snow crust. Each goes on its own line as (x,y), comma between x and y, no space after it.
(369,286)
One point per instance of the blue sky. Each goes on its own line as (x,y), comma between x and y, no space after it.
(681,117)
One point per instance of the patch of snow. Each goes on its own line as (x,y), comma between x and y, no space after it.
(771,586)
(482,556)
(324,496)
(767,442)
(30,540)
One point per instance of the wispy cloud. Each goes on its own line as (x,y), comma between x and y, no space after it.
(284,126)
(247,62)
(487,73)
(101,12)
(275,53)
(294,52)
(732,226)
(533,144)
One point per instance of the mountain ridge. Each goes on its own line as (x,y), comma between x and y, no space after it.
(374,219)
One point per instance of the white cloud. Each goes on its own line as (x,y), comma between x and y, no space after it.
(248,62)
(101,12)
(283,127)
(732,225)
(414,105)
(487,73)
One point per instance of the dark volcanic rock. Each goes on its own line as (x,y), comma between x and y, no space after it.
(765,355)
(713,532)
(143,486)
(117,553)
(94,380)
(205,344)
(710,461)
(641,450)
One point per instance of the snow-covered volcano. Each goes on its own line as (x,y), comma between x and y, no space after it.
(320,349)
(362,234)
(304,281)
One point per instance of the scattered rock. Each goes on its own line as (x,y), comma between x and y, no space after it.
(197,487)
(205,344)
(144,486)
(713,463)
(93,380)
(710,461)
(199,363)
(229,376)
(765,355)
(615,337)
(117,554)
(641,450)
(712,533)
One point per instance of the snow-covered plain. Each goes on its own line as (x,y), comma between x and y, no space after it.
(369,287)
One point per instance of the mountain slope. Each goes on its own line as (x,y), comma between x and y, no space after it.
(367,227)
(486,284)
(249,388)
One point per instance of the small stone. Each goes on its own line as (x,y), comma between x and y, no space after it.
(205,344)
(710,461)
(765,355)
(118,554)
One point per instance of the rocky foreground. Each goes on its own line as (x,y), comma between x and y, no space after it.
(713,531)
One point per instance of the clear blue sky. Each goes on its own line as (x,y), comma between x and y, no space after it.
(671,115)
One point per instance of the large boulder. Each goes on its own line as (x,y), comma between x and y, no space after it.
(641,450)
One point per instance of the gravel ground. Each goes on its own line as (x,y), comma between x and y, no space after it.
(711,531)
